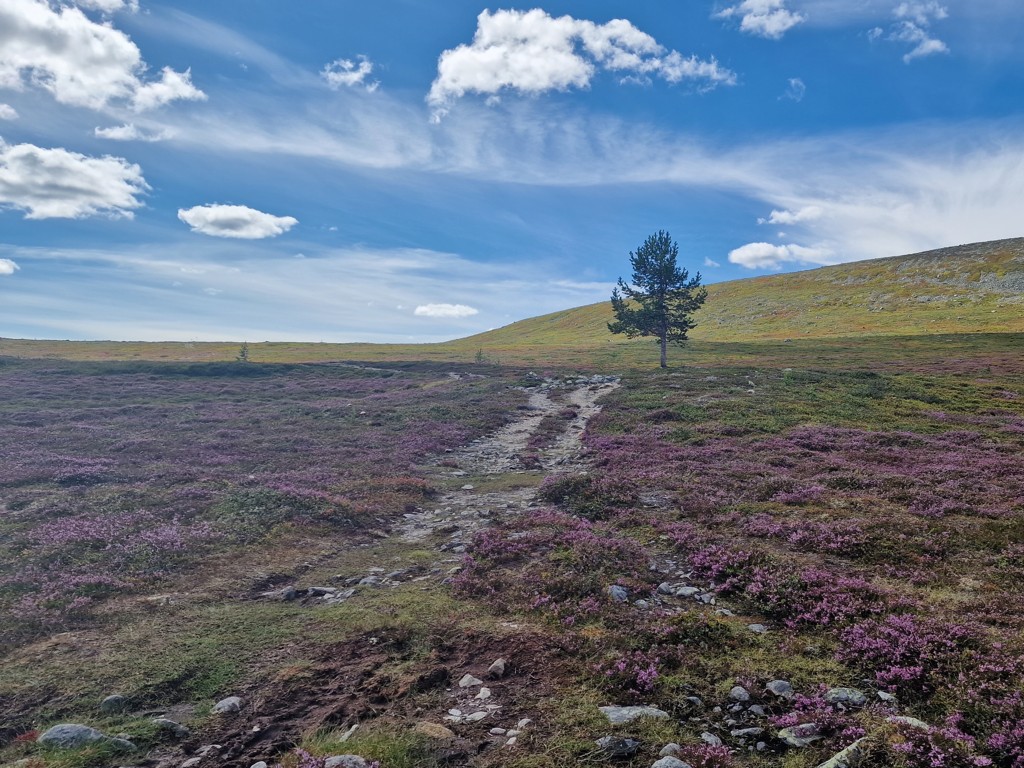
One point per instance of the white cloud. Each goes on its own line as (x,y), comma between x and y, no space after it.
(81,62)
(533,52)
(795,91)
(768,256)
(109,6)
(56,183)
(8,267)
(7,112)
(237,221)
(913,27)
(708,262)
(763,18)
(129,132)
(445,310)
(808,213)
(350,73)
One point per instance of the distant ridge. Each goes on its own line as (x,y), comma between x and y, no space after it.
(965,289)
(975,288)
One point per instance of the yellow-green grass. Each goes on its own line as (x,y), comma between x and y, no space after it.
(974,289)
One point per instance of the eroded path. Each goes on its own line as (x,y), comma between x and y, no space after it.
(488,461)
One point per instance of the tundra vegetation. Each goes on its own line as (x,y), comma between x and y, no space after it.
(832,512)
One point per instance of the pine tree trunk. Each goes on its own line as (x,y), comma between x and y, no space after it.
(664,350)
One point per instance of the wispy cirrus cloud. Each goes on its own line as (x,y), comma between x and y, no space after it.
(913,24)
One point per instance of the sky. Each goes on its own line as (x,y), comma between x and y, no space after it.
(409,170)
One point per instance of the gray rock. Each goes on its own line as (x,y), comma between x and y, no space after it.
(618,593)
(177,730)
(710,738)
(707,598)
(613,746)
(781,688)
(845,697)
(623,715)
(670,750)
(848,758)
(913,722)
(370,581)
(687,592)
(114,704)
(192,762)
(497,669)
(665,589)
(757,629)
(468,681)
(70,736)
(802,735)
(757,711)
(739,693)
(887,697)
(670,762)
(345,761)
(227,706)
(260,764)
(746,733)
(123,744)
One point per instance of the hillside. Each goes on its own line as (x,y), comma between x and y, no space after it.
(964,289)
(967,289)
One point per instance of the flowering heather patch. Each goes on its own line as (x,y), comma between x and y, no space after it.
(706,756)
(116,476)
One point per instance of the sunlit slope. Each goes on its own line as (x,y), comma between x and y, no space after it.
(967,289)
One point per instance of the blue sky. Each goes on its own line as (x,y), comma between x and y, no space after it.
(407,170)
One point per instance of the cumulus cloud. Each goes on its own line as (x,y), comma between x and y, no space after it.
(237,221)
(795,91)
(129,132)
(807,213)
(56,183)
(7,112)
(8,267)
(763,18)
(913,27)
(768,256)
(533,52)
(81,62)
(109,6)
(350,73)
(445,310)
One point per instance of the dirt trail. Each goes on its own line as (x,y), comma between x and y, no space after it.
(501,453)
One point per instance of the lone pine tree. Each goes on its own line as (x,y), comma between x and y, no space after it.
(660,298)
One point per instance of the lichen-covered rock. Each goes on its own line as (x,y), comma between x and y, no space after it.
(623,715)
(70,736)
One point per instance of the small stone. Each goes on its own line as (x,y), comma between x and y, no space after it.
(724,612)
(623,715)
(476,717)
(695,701)
(177,730)
(739,693)
(848,758)
(757,629)
(497,669)
(513,732)
(455,712)
(613,746)
(687,592)
(192,762)
(802,735)
(485,693)
(512,741)
(618,593)
(845,697)
(497,731)
(70,736)
(670,761)
(346,761)
(757,711)
(260,764)
(665,589)
(123,744)
(781,688)
(670,750)
(523,723)
(468,487)
(469,681)
(746,733)
(761,746)
(114,704)
(434,731)
(710,738)
(370,581)
(913,722)
(226,706)
(887,697)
